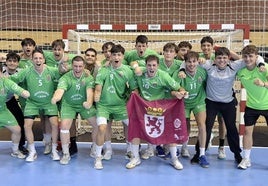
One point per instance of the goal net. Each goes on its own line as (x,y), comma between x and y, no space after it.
(81,37)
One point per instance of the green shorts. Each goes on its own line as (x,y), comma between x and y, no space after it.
(69,112)
(118,113)
(32,109)
(196,109)
(7,118)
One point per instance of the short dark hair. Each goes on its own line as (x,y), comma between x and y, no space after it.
(191,54)
(28,41)
(92,50)
(152,58)
(13,55)
(250,49)
(118,48)
(58,42)
(185,44)
(106,45)
(222,51)
(207,39)
(38,50)
(78,58)
(142,39)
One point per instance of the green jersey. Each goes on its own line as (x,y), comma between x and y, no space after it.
(75,88)
(40,86)
(132,55)
(154,88)
(115,84)
(257,97)
(212,56)
(51,61)
(7,86)
(195,86)
(25,63)
(170,70)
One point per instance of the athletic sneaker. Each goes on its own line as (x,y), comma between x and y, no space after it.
(147,154)
(133,163)
(129,155)
(160,151)
(18,154)
(238,158)
(107,155)
(92,153)
(23,150)
(221,153)
(65,159)
(195,159)
(98,163)
(31,157)
(185,152)
(55,156)
(244,164)
(203,161)
(48,148)
(176,163)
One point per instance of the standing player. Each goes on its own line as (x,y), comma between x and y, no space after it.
(12,63)
(76,89)
(183,48)
(39,80)
(112,84)
(152,85)
(255,83)
(194,83)
(6,118)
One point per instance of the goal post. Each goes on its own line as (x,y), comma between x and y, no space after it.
(79,37)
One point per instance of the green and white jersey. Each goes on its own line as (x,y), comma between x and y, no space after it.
(132,55)
(257,97)
(154,88)
(7,86)
(195,86)
(75,88)
(170,70)
(115,85)
(40,86)
(50,59)
(212,56)
(25,63)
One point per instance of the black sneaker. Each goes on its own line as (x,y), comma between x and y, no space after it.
(238,158)
(195,159)
(23,150)
(160,151)
(73,148)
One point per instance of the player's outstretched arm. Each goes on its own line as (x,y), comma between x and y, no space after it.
(57,96)
(87,104)
(97,93)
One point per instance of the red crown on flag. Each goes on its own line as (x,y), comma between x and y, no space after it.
(155,111)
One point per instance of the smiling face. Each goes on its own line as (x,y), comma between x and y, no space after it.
(191,65)
(116,59)
(141,48)
(250,60)
(207,49)
(152,67)
(58,52)
(12,64)
(90,57)
(78,68)
(221,61)
(28,50)
(38,61)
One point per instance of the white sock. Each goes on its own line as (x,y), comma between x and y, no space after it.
(202,151)
(173,152)
(15,147)
(135,150)
(108,145)
(47,138)
(54,147)
(247,153)
(65,148)
(32,148)
(98,150)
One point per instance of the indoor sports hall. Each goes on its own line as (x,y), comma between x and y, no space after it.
(88,23)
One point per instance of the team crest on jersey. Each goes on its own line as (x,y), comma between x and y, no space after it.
(200,79)
(48,78)
(154,122)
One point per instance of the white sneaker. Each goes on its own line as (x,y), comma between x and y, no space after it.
(31,157)
(147,154)
(55,156)
(107,155)
(221,153)
(176,163)
(48,148)
(18,154)
(244,164)
(98,163)
(185,152)
(65,159)
(133,163)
